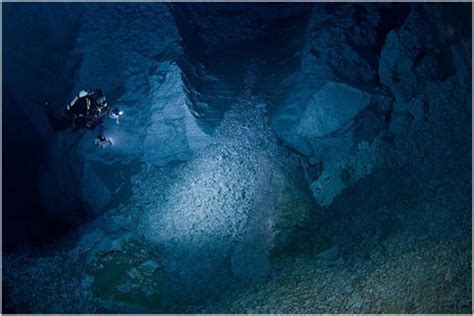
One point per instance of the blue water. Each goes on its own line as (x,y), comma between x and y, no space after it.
(272,158)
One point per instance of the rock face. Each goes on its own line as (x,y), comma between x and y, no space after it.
(213,220)
(410,60)
(342,126)
(144,80)
(336,129)
(352,57)
(327,126)
(329,108)
(404,51)
(25,128)
(232,204)
(342,187)
(137,68)
(173,132)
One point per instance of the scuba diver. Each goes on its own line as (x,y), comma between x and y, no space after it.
(85,111)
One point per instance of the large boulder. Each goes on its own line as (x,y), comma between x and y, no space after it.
(340,173)
(332,122)
(351,57)
(407,60)
(335,129)
(420,52)
(329,108)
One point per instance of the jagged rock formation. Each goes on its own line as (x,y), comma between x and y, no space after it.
(337,133)
(231,202)
(143,78)
(272,158)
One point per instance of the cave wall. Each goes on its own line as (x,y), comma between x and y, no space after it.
(347,107)
(55,50)
(37,64)
(371,101)
(340,103)
(157,72)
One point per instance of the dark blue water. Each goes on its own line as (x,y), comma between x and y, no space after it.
(272,158)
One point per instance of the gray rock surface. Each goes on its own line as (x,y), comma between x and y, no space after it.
(344,58)
(233,195)
(159,125)
(329,108)
(226,223)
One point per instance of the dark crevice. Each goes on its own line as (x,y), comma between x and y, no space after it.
(392,17)
(30,223)
(421,54)
(426,108)
(388,115)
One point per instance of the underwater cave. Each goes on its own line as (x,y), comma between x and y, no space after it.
(271,158)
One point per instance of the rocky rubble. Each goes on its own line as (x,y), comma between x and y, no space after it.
(216,218)
(371,287)
(107,270)
(233,202)
(370,215)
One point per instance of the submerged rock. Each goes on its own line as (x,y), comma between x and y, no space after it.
(337,127)
(233,225)
(173,132)
(329,108)
(352,56)
(232,200)
(327,187)
(144,80)
(328,124)
(101,279)
(329,255)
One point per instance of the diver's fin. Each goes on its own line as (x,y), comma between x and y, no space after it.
(103,143)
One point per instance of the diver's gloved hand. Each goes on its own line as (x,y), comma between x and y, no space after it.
(102,141)
(116,114)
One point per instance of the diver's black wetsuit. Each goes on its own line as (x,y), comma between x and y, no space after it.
(84,113)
